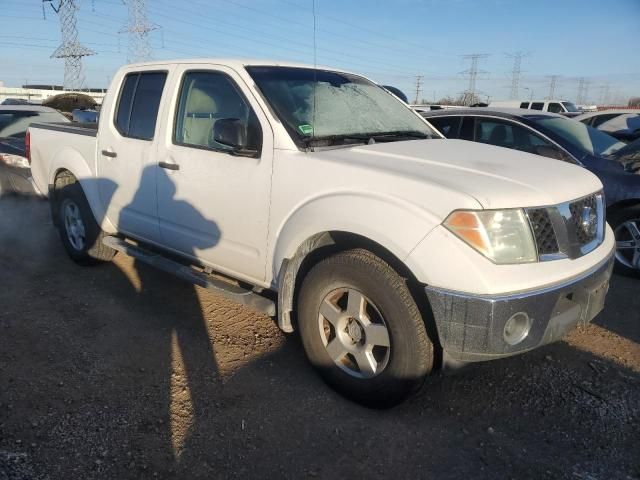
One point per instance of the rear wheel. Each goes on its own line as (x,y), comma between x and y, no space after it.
(362,330)
(626,227)
(80,233)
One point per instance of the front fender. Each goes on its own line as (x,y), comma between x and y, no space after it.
(394,223)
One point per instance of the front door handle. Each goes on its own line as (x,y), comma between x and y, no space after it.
(109,153)
(169,166)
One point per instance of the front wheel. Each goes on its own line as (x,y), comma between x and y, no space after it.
(626,227)
(362,330)
(80,233)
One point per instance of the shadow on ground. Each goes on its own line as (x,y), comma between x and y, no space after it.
(121,371)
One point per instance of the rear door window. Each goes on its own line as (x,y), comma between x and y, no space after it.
(555,107)
(600,119)
(448,126)
(537,105)
(138,105)
(524,105)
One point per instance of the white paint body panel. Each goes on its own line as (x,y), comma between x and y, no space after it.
(244,216)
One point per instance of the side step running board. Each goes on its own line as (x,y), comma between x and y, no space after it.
(229,290)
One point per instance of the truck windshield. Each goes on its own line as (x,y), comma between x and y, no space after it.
(588,139)
(320,107)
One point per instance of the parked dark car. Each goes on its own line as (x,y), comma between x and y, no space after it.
(82,115)
(15,174)
(623,124)
(559,137)
(397,92)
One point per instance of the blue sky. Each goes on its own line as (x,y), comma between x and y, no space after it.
(389,41)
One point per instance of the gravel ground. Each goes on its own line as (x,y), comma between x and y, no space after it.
(120,371)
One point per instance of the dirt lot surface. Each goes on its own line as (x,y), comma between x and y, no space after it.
(120,371)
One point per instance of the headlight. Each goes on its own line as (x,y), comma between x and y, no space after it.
(503,236)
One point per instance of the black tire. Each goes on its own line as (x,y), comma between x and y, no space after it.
(68,192)
(616,220)
(410,355)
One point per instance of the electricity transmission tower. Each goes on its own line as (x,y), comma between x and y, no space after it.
(70,49)
(583,91)
(553,83)
(418,89)
(138,28)
(604,94)
(515,73)
(469,95)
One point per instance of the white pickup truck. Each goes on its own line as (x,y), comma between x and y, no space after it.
(317,197)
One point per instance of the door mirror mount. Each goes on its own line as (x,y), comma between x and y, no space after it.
(232,133)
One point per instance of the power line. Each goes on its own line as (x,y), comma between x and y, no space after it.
(418,89)
(138,28)
(70,49)
(516,73)
(469,95)
(553,83)
(583,91)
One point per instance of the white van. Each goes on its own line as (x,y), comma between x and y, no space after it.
(562,107)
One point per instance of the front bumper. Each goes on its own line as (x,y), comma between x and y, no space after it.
(471,327)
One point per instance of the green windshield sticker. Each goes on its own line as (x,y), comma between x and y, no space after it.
(305,129)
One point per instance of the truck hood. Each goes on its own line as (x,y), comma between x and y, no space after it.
(495,177)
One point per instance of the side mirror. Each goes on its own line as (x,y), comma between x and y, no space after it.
(230,132)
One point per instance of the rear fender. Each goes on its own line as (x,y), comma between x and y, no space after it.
(72,161)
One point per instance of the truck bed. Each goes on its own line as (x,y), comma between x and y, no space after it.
(76,143)
(79,128)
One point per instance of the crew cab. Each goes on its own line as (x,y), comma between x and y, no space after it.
(316,196)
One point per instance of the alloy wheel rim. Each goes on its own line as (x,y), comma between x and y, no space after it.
(354,333)
(628,243)
(74,226)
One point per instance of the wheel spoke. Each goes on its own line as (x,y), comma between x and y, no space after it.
(336,350)
(626,244)
(329,311)
(636,259)
(356,304)
(366,362)
(377,334)
(633,228)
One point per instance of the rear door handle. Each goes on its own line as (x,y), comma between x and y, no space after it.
(109,153)
(169,166)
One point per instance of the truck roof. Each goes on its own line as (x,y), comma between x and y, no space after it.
(234,62)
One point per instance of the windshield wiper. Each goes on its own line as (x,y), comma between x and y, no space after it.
(371,137)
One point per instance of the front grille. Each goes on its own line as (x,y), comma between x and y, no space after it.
(543,231)
(584,234)
(568,230)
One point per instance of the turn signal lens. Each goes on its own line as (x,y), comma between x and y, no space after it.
(503,236)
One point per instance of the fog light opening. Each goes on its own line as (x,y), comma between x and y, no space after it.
(517,328)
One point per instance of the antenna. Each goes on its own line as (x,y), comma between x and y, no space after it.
(315,71)
(70,49)
(138,28)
